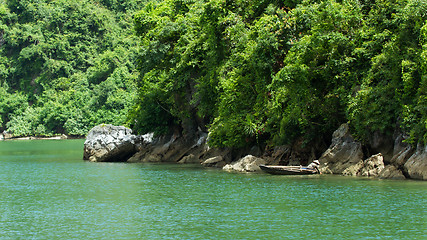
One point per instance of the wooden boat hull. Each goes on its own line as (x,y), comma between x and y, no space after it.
(287,170)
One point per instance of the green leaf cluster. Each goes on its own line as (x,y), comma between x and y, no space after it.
(66,66)
(279,71)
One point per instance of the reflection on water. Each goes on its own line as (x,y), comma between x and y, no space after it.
(48,192)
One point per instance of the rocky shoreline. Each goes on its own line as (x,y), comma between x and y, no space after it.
(6,136)
(345,156)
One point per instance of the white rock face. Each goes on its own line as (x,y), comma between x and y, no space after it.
(246,164)
(370,167)
(108,143)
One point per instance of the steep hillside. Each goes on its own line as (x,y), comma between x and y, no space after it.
(66,66)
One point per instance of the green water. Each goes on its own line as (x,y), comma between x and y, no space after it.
(48,192)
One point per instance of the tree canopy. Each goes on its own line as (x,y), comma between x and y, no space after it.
(66,66)
(248,72)
(280,71)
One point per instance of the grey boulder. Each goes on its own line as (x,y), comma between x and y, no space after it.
(108,143)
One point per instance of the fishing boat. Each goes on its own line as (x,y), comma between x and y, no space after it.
(288,170)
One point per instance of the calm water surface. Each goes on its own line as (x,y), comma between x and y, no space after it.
(48,192)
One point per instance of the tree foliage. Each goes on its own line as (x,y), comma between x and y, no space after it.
(277,71)
(66,66)
(249,72)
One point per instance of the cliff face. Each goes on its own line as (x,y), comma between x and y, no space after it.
(345,155)
(395,160)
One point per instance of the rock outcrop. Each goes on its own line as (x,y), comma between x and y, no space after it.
(191,158)
(108,143)
(391,172)
(344,156)
(416,166)
(217,161)
(370,167)
(343,153)
(245,164)
(5,135)
(216,157)
(401,160)
(175,148)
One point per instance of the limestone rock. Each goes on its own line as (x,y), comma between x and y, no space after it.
(108,143)
(402,156)
(174,148)
(145,156)
(396,159)
(246,164)
(416,166)
(343,153)
(7,135)
(222,155)
(399,143)
(189,159)
(391,172)
(370,167)
(354,169)
(217,161)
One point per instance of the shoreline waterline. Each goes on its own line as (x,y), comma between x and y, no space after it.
(57,137)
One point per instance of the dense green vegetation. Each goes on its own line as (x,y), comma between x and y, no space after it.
(248,72)
(279,71)
(66,66)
